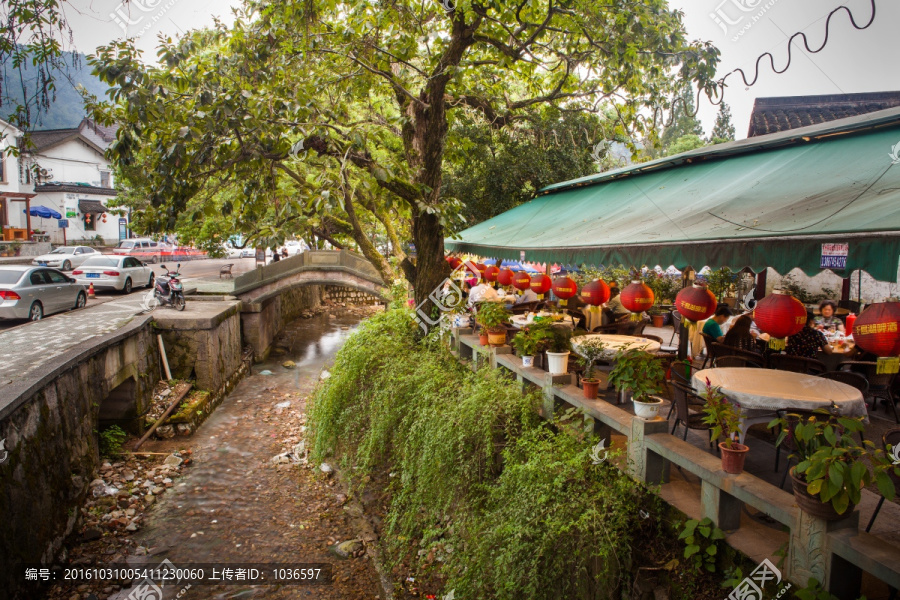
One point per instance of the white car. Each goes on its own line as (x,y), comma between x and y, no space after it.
(121,273)
(65,258)
(295,247)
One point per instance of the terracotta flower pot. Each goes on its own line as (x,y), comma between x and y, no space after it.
(590,387)
(733,458)
(658,320)
(483,339)
(813,505)
(497,338)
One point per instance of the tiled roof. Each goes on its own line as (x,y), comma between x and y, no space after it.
(75,188)
(98,135)
(771,115)
(49,138)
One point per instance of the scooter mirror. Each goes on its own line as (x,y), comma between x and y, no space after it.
(164,267)
(178,267)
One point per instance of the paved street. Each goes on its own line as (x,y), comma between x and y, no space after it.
(26,348)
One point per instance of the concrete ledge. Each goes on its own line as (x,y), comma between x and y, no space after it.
(867,552)
(206,315)
(15,394)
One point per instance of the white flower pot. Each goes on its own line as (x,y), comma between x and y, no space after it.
(647,410)
(558,362)
(527,361)
(460,320)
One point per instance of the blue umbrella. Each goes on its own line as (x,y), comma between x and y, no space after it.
(44,212)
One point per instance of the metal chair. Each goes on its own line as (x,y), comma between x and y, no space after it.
(737,361)
(676,325)
(721,350)
(683,398)
(796,364)
(708,342)
(891,438)
(879,384)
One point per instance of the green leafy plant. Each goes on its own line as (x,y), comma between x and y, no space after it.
(664,286)
(492,316)
(639,372)
(560,338)
(831,463)
(720,280)
(111,440)
(589,352)
(701,540)
(531,339)
(724,416)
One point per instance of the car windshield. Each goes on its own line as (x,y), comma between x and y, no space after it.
(64,250)
(125,245)
(101,261)
(8,277)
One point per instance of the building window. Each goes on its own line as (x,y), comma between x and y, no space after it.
(90,222)
(104,179)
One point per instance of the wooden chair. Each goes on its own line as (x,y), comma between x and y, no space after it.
(879,385)
(796,364)
(890,438)
(225,271)
(737,361)
(684,398)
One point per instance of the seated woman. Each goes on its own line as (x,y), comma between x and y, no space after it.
(809,341)
(827,319)
(740,335)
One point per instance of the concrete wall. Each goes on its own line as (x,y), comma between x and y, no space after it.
(347,295)
(262,322)
(872,289)
(50,430)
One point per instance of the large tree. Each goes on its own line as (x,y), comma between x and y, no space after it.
(365,94)
(723,130)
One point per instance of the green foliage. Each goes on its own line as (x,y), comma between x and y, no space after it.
(492,315)
(524,509)
(720,280)
(685,130)
(639,372)
(724,416)
(815,591)
(589,352)
(723,130)
(831,463)
(531,339)
(111,440)
(664,286)
(701,543)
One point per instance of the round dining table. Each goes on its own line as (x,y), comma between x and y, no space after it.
(761,392)
(528,319)
(612,343)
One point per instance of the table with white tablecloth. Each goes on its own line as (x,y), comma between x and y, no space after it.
(761,392)
(612,344)
(529,318)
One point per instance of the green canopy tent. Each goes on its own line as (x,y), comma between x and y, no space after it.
(768,201)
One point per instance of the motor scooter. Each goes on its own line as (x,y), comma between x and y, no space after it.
(169,289)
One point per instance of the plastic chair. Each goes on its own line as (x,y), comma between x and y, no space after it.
(796,364)
(683,398)
(891,438)
(879,385)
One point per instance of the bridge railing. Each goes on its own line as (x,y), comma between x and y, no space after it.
(315,258)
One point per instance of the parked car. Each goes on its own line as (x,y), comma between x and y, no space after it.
(33,292)
(248,253)
(65,257)
(137,245)
(117,272)
(295,247)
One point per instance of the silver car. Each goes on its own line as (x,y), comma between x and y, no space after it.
(33,292)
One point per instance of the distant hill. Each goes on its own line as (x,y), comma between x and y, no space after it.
(68,108)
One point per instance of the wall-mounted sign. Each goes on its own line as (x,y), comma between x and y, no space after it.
(834,256)
(63,223)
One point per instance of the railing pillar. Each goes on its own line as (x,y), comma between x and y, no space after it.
(644,464)
(721,507)
(551,400)
(809,555)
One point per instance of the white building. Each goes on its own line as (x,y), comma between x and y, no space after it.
(15,196)
(72,176)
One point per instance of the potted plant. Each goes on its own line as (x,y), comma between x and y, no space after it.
(557,347)
(491,316)
(590,351)
(529,341)
(833,468)
(641,374)
(16,248)
(725,419)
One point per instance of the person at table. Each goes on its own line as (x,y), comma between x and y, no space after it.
(528,295)
(482,293)
(826,319)
(740,334)
(614,306)
(809,341)
(713,325)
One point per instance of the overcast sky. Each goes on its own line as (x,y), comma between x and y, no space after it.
(853,61)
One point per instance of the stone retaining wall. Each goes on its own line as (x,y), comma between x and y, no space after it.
(346,295)
(261,327)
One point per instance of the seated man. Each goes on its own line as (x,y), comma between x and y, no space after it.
(713,326)
(619,312)
(482,293)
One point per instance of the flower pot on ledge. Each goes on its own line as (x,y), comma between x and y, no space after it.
(483,338)
(813,505)
(591,388)
(733,458)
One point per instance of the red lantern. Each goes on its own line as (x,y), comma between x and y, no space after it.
(522,281)
(454,262)
(476,269)
(490,273)
(696,303)
(637,297)
(564,288)
(876,331)
(595,293)
(506,276)
(540,285)
(780,315)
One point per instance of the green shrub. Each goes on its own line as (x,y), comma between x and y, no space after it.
(111,440)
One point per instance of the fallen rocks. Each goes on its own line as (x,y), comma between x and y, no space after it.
(173,460)
(347,549)
(288,364)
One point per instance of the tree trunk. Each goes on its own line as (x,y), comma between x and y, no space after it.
(431,268)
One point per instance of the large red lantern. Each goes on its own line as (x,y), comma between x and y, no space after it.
(595,293)
(454,262)
(780,315)
(637,297)
(540,285)
(476,269)
(564,288)
(876,331)
(490,273)
(522,281)
(696,303)
(506,276)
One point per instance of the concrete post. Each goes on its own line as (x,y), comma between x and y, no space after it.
(551,401)
(644,464)
(809,554)
(721,507)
